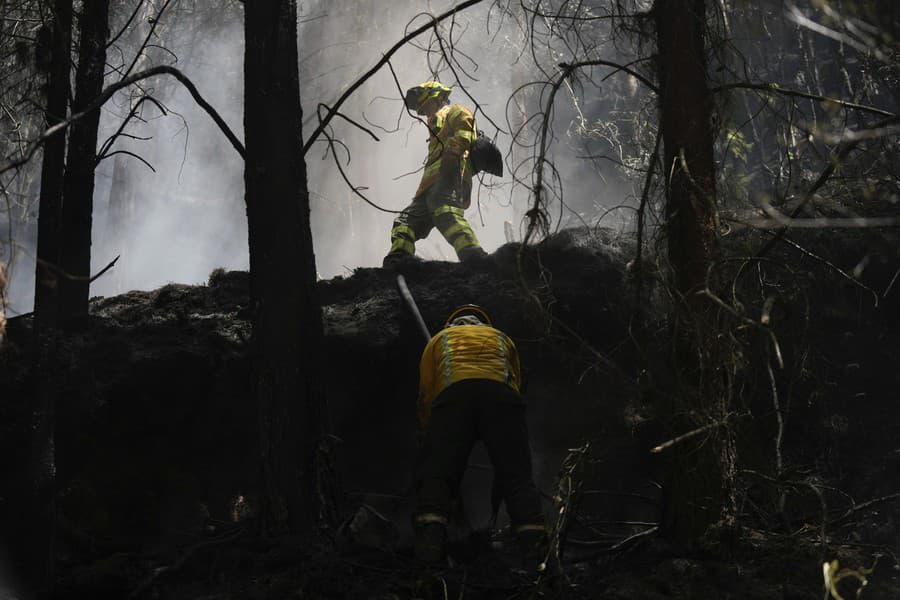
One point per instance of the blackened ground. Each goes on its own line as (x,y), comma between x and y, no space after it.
(156,453)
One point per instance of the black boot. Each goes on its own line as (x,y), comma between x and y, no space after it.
(397,259)
(430,540)
(533,546)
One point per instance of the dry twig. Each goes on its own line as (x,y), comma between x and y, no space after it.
(2,302)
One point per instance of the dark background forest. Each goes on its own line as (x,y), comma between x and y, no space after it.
(207,381)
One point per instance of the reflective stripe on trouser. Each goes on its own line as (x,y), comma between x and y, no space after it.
(416,220)
(412,224)
(453,226)
(403,238)
(430,517)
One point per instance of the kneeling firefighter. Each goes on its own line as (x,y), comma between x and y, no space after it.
(469,390)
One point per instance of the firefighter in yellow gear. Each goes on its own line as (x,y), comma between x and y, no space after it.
(469,390)
(445,191)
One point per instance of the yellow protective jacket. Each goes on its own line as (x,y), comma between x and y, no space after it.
(452,133)
(465,352)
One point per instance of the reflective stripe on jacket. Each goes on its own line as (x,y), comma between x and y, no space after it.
(453,131)
(465,352)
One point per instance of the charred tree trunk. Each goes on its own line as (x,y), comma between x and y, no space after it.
(35,529)
(78,187)
(686,113)
(287,327)
(697,475)
(53,168)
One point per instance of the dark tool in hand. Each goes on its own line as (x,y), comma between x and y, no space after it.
(411,303)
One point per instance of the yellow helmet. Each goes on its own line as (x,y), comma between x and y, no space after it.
(469,309)
(418,95)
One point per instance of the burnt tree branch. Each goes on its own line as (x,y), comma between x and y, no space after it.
(107,93)
(333,111)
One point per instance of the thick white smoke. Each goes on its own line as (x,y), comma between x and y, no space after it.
(186,217)
(348,232)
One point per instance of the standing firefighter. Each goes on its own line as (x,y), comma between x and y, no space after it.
(469,391)
(446,187)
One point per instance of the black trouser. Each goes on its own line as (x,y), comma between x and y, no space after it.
(465,412)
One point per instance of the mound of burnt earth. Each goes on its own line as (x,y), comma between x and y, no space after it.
(156,431)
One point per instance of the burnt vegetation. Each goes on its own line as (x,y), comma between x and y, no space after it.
(700,272)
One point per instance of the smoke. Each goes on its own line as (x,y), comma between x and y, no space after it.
(184,217)
(490,59)
(169,197)
(337,46)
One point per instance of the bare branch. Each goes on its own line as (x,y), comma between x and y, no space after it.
(829,264)
(353,188)
(693,433)
(637,264)
(101,154)
(799,18)
(115,38)
(105,269)
(383,61)
(346,118)
(2,301)
(139,53)
(838,155)
(856,508)
(112,89)
(59,271)
(131,154)
(774,88)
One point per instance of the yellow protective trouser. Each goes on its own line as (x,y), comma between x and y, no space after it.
(435,208)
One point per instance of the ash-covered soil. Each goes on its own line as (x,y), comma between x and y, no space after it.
(157,463)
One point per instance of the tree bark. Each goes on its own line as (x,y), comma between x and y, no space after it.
(46,286)
(35,530)
(78,186)
(696,486)
(287,327)
(686,115)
